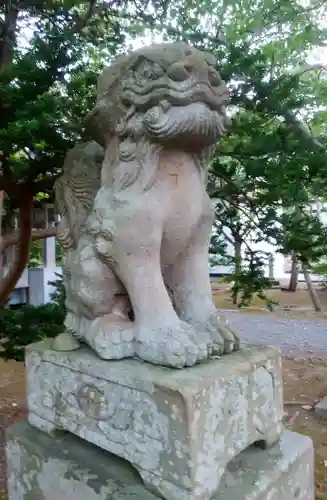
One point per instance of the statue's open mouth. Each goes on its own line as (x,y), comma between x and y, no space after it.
(194,121)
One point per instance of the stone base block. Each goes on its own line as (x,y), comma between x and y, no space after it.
(321,409)
(67,468)
(178,428)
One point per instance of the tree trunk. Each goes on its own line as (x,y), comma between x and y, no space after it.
(7,36)
(312,292)
(294,274)
(1,238)
(20,261)
(238,265)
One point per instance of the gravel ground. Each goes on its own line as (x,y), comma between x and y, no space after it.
(293,335)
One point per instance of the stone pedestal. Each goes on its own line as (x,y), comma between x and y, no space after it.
(67,468)
(178,428)
(321,408)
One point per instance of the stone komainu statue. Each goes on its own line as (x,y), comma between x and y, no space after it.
(135,216)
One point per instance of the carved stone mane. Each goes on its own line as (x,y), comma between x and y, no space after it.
(136,240)
(75,190)
(142,102)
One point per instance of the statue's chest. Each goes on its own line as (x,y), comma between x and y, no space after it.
(188,208)
(183,181)
(181,174)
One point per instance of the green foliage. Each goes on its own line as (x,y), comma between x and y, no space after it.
(320,269)
(41,100)
(305,233)
(58,296)
(250,281)
(50,59)
(265,173)
(36,254)
(20,327)
(271,167)
(51,53)
(58,254)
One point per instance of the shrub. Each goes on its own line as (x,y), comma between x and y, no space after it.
(20,327)
(58,296)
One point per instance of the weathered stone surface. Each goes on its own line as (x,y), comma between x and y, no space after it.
(136,248)
(321,408)
(284,472)
(179,429)
(75,191)
(66,468)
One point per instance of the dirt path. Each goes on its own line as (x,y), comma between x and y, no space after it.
(12,406)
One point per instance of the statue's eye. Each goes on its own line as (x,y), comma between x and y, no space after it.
(179,72)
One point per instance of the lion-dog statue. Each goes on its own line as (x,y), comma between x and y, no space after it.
(135,215)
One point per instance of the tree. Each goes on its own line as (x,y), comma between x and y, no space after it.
(276,146)
(237,222)
(50,55)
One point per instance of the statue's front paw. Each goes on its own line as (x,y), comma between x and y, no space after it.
(176,345)
(111,336)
